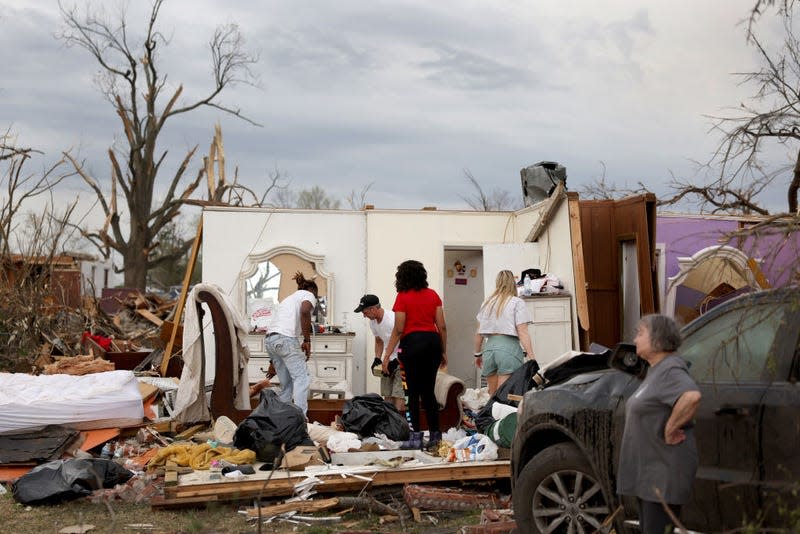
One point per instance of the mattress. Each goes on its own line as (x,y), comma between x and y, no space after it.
(96,400)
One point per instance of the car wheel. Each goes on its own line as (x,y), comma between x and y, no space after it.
(557,491)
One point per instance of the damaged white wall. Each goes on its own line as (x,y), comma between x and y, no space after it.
(363,248)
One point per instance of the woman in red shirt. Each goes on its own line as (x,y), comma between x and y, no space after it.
(420,329)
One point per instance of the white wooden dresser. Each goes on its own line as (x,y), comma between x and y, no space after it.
(331,359)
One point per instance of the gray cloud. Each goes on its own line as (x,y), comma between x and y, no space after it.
(464,70)
(409,94)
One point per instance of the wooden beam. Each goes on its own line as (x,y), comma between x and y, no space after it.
(150,316)
(196,493)
(578,261)
(547,214)
(296,506)
(182,299)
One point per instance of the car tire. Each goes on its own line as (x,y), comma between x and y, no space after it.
(557,491)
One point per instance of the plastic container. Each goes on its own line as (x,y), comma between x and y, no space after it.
(527,286)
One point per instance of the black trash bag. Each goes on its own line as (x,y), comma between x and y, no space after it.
(65,480)
(368,415)
(518,383)
(271,424)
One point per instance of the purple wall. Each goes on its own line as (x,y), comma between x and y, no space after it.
(686,235)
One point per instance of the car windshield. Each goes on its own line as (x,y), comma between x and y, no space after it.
(738,345)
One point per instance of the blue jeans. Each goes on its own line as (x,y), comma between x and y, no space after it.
(290,364)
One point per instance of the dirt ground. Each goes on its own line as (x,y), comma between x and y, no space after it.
(120,517)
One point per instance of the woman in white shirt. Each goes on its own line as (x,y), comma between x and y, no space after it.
(502,339)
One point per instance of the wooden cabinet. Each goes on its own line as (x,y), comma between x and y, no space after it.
(331,359)
(551,326)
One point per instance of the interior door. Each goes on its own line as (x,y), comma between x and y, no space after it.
(781,429)
(629,287)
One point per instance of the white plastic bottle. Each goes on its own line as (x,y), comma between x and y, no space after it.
(527,286)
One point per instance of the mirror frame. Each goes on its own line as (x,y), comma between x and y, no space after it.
(253,260)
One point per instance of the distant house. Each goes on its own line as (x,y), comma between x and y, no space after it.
(703,260)
(68,277)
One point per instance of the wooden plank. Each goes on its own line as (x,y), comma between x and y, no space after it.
(147,390)
(93,438)
(153,318)
(578,261)
(546,215)
(332,483)
(182,299)
(189,432)
(170,478)
(761,280)
(9,473)
(297,506)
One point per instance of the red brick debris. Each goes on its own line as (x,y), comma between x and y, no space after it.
(437,498)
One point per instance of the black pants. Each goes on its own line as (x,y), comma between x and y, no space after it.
(420,354)
(653,519)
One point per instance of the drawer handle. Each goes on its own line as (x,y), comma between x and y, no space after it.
(326,346)
(330,368)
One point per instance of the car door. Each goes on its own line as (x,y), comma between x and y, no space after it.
(734,356)
(780,435)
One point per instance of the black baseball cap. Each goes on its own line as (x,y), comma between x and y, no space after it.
(366,302)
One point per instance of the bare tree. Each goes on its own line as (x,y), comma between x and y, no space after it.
(760,6)
(317,199)
(283,197)
(20,186)
(29,243)
(358,199)
(277,184)
(497,200)
(601,188)
(132,81)
(771,116)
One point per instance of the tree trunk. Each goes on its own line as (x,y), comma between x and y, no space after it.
(135,274)
(135,254)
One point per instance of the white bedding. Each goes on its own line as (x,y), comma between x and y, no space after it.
(90,401)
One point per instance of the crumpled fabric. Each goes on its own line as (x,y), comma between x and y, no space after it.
(200,456)
(191,404)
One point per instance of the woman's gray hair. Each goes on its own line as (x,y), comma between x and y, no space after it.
(665,336)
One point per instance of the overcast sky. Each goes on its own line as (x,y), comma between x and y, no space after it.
(410,94)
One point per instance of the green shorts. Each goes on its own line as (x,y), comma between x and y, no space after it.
(502,355)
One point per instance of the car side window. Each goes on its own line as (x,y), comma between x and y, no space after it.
(737,346)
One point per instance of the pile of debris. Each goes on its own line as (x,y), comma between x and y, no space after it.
(126,330)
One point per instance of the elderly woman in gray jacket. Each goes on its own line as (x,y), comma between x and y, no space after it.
(658,455)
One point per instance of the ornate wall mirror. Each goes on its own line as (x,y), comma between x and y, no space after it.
(267,278)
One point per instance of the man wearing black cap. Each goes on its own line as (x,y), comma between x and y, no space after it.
(381,323)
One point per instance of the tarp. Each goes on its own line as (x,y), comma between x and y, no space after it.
(88,401)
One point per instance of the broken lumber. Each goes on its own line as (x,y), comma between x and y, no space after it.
(297,506)
(150,316)
(78,366)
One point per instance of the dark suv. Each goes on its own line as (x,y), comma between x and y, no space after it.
(743,354)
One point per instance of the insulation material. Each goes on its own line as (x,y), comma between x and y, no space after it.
(79,401)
